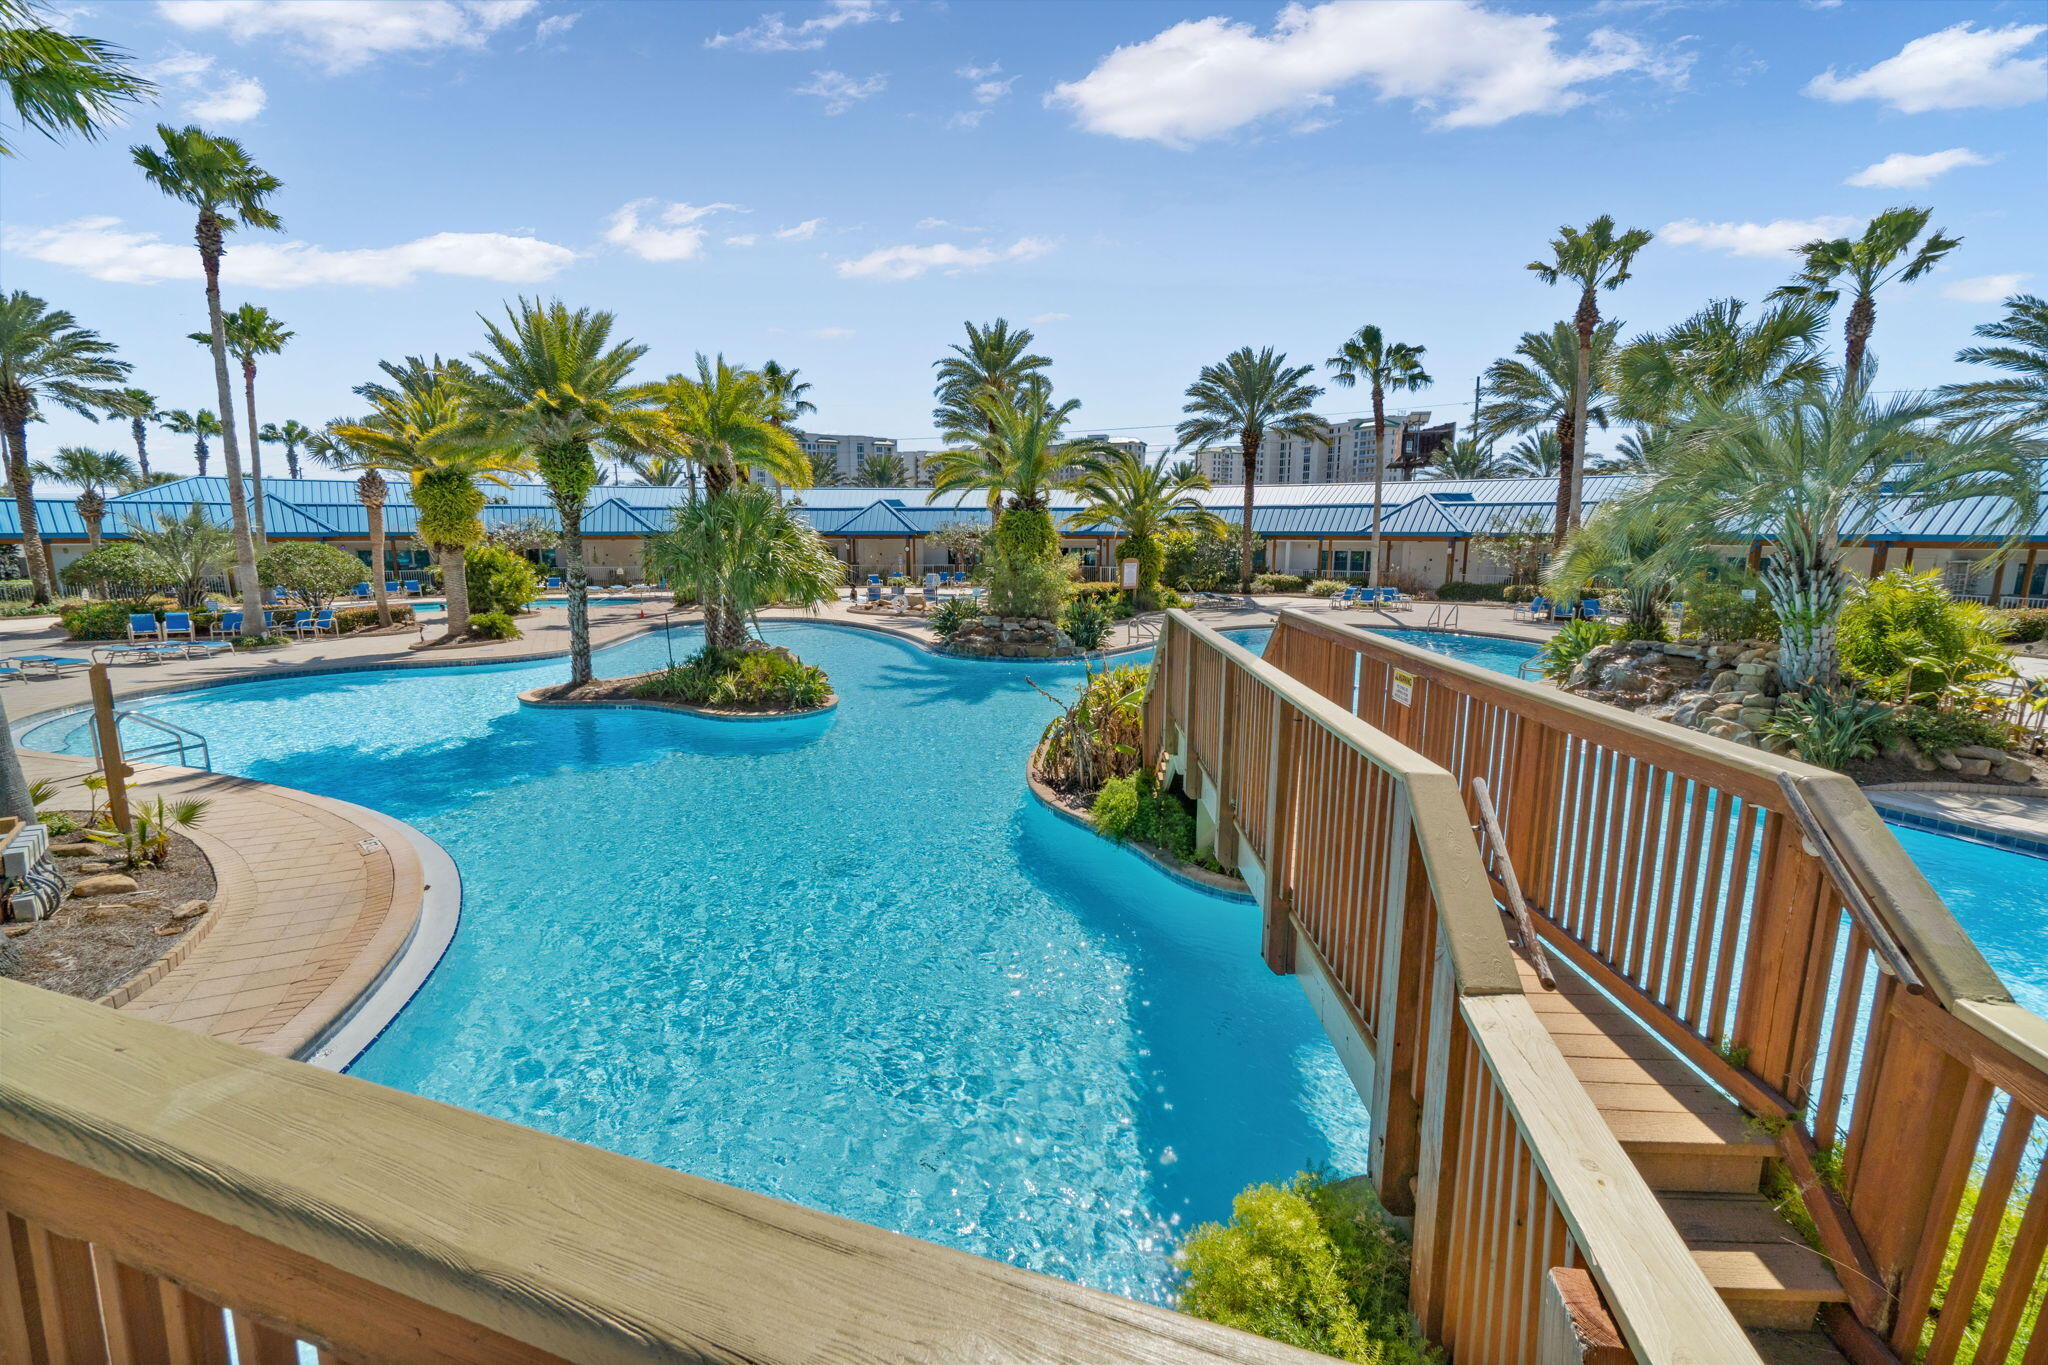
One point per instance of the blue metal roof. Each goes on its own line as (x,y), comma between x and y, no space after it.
(56,519)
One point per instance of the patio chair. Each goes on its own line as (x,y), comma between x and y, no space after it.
(392,588)
(1531,610)
(321,624)
(144,625)
(179,623)
(1347,599)
(48,665)
(6,673)
(362,590)
(412,587)
(205,649)
(554,584)
(1592,610)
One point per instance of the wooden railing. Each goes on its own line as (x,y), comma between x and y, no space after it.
(1756,912)
(162,1194)
(1372,889)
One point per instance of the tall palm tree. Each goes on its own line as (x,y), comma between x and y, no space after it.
(251,331)
(1141,500)
(139,407)
(200,426)
(1594,258)
(824,469)
(995,361)
(1466,458)
(292,435)
(1241,398)
(1884,253)
(552,383)
(1713,356)
(216,176)
(1536,456)
(1642,553)
(1535,389)
(60,82)
(1794,471)
(786,392)
(1383,366)
(372,491)
(2020,400)
(46,359)
(92,472)
(885,470)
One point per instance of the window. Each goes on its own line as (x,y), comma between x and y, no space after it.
(1350,561)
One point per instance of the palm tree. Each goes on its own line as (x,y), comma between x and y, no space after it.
(216,176)
(60,82)
(2021,400)
(885,470)
(1141,500)
(47,358)
(1642,553)
(1882,254)
(1593,258)
(553,384)
(659,469)
(92,472)
(824,469)
(786,392)
(1791,471)
(371,491)
(1241,398)
(250,332)
(189,550)
(1713,356)
(422,429)
(995,361)
(198,425)
(1536,456)
(291,434)
(139,407)
(1383,365)
(1534,390)
(742,551)
(1466,458)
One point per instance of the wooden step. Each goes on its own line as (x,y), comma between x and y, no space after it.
(1758,1264)
(1779,1347)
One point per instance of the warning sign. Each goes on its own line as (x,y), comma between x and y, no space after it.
(1404,687)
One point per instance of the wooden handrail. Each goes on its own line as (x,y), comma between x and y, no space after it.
(1824,847)
(379,1225)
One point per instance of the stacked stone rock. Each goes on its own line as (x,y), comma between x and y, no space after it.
(1003,637)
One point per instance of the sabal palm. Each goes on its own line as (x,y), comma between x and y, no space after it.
(1794,472)
(884,470)
(1883,253)
(2019,399)
(1369,358)
(61,82)
(200,426)
(230,192)
(1594,258)
(292,434)
(1240,398)
(1120,488)
(139,407)
(47,360)
(1715,356)
(94,471)
(551,382)
(787,392)
(996,361)
(251,331)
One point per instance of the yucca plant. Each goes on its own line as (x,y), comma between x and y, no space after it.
(1830,727)
(148,836)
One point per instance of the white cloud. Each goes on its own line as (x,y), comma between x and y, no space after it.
(1985,288)
(1775,238)
(342,35)
(908,262)
(211,92)
(654,231)
(841,91)
(1051,317)
(831,333)
(771,34)
(100,248)
(987,92)
(1906,171)
(553,27)
(1959,67)
(743,239)
(1468,65)
(929,224)
(802,232)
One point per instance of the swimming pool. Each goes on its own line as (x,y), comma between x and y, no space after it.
(847,961)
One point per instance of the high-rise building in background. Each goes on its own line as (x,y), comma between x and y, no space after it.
(847,451)
(1342,454)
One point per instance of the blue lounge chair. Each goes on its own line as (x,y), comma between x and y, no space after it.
(230,623)
(362,589)
(179,623)
(321,624)
(391,588)
(6,673)
(205,649)
(50,665)
(1592,610)
(1533,609)
(554,583)
(412,587)
(144,625)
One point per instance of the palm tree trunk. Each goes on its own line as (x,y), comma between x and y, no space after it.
(14,797)
(140,430)
(291,458)
(1567,505)
(1248,447)
(1573,462)
(255,450)
(455,587)
(379,575)
(1856,333)
(199,454)
(1379,480)
(569,554)
(1807,593)
(209,235)
(23,486)
(92,534)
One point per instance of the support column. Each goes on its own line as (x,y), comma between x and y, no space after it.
(1756,556)
(1995,596)
(1879,553)
(2027,574)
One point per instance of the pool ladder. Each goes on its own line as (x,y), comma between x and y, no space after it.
(1442,616)
(176,740)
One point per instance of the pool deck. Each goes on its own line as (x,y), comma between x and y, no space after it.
(2009,816)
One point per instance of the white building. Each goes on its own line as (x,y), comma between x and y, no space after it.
(1343,454)
(846,451)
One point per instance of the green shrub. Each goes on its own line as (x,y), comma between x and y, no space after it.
(1197,560)
(1279,582)
(1086,622)
(347,619)
(1310,1264)
(1165,819)
(317,573)
(1717,611)
(106,620)
(1936,731)
(1100,592)
(493,625)
(1831,729)
(764,678)
(499,580)
(1461,591)
(1904,638)
(1325,587)
(1030,588)
(950,615)
(1116,808)
(1097,736)
(1518,592)
(1574,641)
(2024,625)
(119,566)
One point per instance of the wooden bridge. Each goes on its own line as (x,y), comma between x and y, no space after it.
(1758,997)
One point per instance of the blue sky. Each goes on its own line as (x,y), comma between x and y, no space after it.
(838,185)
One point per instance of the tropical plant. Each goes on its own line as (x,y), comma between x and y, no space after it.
(493,625)
(139,407)
(83,467)
(1714,356)
(1903,637)
(1242,398)
(500,580)
(1715,608)
(2020,399)
(199,426)
(786,394)
(996,362)
(1098,735)
(1086,622)
(1465,458)
(61,82)
(740,551)
(1575,639)
(189,550)
(1884,253)
(1142,500)
(249,332)
(47,359)
(884,470)
(148,836)
(1202,558)
(316,573)
(752,678)
(1831,727)
(1539,455)
(824,469)
(1383,366)
(292,435)
(947,618)
(660,470)
(1640,553)
(230,192)
(1790,472)
(1538,388)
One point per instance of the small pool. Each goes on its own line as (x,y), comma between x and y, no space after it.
(2001,897)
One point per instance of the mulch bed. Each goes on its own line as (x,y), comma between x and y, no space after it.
(621,689)
(90,947)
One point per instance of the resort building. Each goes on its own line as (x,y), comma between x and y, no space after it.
(1435,529)
(846,451)
(1343,454)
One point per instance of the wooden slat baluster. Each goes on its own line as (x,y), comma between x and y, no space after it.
(196,1327)
(2023,1271)
(1985,1222)
(21,1316)
(1841,1039)
(72,1332)
(131,1309)
(256,1344)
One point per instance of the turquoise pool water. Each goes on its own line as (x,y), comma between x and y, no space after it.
(849,962)
(2000,896)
